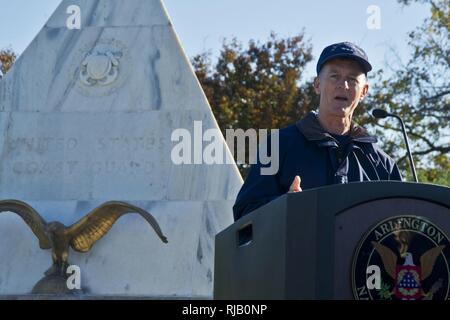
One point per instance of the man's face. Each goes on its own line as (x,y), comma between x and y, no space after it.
(341,85)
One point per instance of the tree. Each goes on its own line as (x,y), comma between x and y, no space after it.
(257,86)
(7,58)
(419,91)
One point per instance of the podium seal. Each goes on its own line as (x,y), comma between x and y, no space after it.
(402,258)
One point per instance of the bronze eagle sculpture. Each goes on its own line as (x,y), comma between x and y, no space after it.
(81,235)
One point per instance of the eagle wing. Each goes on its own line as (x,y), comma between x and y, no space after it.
(388,257)
(98,222)
(428,259)
(31,217)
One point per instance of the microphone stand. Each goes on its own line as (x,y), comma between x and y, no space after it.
(411,162)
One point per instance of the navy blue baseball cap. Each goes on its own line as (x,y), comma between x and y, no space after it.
(344,50)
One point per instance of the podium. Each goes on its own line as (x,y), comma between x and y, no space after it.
(371,240)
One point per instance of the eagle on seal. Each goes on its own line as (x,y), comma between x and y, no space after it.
(408,277)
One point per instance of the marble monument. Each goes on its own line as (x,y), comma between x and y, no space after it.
(86,116)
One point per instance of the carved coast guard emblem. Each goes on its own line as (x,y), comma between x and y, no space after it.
(100,68)
(402,258)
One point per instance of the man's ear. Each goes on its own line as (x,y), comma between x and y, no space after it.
(364,92)
(317,85)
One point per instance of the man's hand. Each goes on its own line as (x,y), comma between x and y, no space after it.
(295,186)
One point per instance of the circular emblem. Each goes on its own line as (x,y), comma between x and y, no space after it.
(101,67)
(402,258)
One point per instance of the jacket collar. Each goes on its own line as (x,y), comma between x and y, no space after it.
(313,130)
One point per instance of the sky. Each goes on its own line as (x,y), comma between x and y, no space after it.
(202,25)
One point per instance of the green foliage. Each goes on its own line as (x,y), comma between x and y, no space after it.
(258,86)
(419,92)
(440,174)
(385,292)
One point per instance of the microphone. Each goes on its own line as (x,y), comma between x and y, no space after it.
(381,114)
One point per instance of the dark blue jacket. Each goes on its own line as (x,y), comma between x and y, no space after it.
(307,150)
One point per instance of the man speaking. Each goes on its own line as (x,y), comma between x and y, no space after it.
(326,147)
